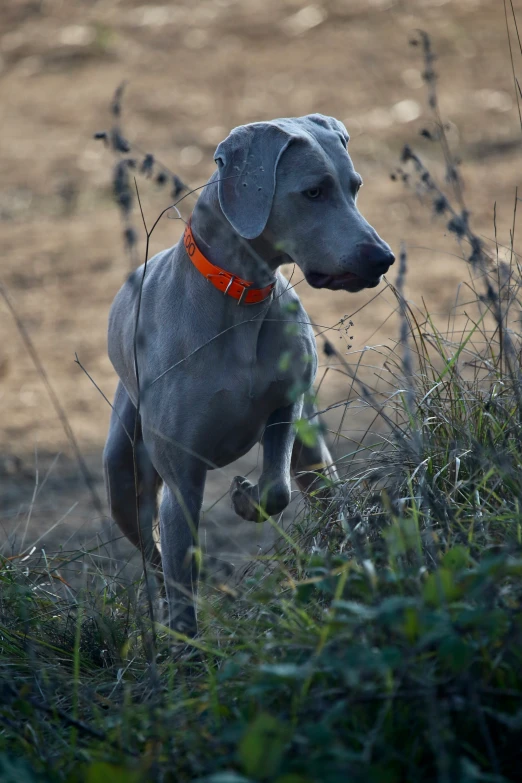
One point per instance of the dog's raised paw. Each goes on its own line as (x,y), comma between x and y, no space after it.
(245,499)
(257,502)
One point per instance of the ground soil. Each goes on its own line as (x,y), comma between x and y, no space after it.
(193,71)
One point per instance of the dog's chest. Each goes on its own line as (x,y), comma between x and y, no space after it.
(212,385)
(245,381)
(284,363)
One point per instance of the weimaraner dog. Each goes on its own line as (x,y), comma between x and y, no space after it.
(225,351)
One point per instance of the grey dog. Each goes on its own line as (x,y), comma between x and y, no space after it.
(218,375)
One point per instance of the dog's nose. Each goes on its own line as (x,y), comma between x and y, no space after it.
(376,258)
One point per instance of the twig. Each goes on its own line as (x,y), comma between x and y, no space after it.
(33,353)
(109,403)
(135,437)
(511,58)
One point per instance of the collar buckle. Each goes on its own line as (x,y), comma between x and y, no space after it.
(243,294)
(227,283)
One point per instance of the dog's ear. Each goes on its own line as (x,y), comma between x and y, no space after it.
(247,162)
(330,123)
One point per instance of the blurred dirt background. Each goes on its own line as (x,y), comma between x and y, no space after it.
(194,71)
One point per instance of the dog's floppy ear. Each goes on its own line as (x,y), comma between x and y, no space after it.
(330,123)
(247,162)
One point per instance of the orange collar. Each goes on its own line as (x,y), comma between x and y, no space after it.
(224,281)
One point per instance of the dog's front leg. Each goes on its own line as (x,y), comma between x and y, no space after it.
(271,494)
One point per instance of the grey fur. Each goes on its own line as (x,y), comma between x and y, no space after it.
(215,377)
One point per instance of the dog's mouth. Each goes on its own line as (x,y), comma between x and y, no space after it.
(345,282)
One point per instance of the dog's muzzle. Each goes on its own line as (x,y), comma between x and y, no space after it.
(372,260)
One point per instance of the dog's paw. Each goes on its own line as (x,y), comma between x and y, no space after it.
(245,499)
(256,505)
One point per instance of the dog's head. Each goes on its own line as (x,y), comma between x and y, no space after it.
(293,182)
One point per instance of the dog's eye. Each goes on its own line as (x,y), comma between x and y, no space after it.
(313,193)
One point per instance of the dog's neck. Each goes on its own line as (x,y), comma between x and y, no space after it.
(255,260)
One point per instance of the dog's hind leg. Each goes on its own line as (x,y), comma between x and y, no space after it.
(118,459)
(313,467)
